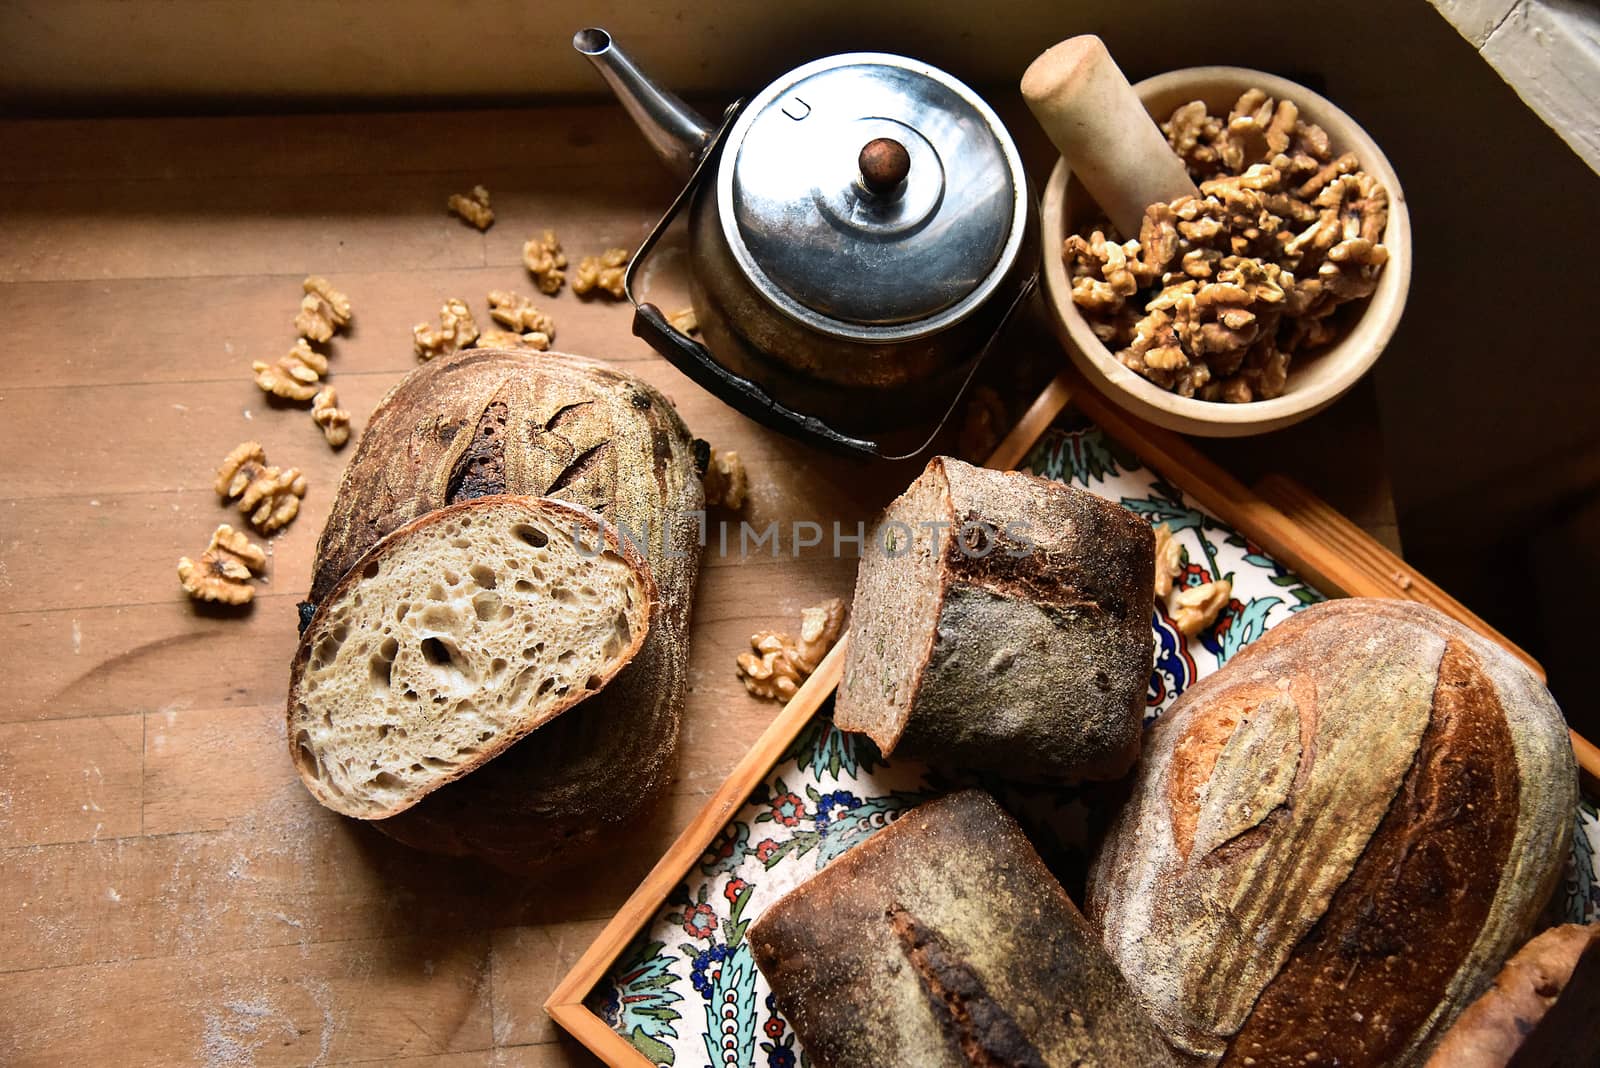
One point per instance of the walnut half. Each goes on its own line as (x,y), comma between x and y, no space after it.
(685,321)
(544,259)
(1169,560)
(606,272)
(457,330)
(781,662)
(1196,608)
(334,420)
(297,374)
(506,339)
(726,481)
(516,312)
(473,208)
(323,310)
(222,574)
(268,496)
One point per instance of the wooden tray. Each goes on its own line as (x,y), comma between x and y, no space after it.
(1277,519)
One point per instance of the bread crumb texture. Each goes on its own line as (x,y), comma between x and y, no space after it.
(453,638)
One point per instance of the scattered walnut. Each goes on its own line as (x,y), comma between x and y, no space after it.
(1197,607)
(506,339)
(517,312)
(457,330)
(268,496)
(1169,560)
(780,662)
(472,207)
(1235,281)
(605,272)
(223,571)
(685,321)
(726,481)
(983,425)
(323,310)
(545,260)
(296,376)
(334,421)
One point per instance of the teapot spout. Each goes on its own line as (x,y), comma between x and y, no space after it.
(673,129)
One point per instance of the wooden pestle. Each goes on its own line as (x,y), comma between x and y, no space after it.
(1092,115)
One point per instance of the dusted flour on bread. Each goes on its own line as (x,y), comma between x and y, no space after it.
(1334,841)
(944,942)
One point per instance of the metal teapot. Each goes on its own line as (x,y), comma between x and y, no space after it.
(860,230)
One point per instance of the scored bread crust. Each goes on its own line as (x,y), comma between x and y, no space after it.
(311,760)
(943,941)
(1333,842)
(491,421)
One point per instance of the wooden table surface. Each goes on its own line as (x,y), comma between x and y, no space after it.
(169,894)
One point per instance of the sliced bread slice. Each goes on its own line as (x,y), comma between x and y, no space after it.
(452,638)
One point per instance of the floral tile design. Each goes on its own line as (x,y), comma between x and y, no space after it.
(687,991)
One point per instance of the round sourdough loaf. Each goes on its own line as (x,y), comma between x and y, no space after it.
(486,422)
(1334,842)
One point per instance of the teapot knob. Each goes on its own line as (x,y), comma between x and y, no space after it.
(884,164)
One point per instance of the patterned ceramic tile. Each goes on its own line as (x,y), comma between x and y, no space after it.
(687,991)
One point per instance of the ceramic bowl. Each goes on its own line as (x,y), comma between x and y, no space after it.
(1315,381)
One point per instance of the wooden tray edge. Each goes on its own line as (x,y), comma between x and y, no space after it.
(1214,488)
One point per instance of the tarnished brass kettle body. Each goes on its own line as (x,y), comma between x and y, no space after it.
(859,231)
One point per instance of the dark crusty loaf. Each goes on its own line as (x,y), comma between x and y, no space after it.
(452,638)
(546,424)
(1543,1010)
(944,941)
(1025,647)
(1334,841)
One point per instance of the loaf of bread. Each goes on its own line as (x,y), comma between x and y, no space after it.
(944,942)
(1336,840)
(452,638)
(542,424)
(1002,622)
(1543,1010)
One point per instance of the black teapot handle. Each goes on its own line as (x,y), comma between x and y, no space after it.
(696,361)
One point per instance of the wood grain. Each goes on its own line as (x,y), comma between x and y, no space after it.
(145,263)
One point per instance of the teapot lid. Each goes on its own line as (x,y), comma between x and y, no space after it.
(872,196)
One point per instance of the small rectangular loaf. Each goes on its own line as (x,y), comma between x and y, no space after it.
(1002,622)
(944,941)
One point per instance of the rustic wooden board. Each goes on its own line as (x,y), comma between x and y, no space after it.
(172,895)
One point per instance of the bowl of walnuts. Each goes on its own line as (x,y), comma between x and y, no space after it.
(1258,302)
